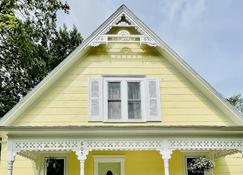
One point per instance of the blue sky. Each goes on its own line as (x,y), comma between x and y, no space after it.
(207,34)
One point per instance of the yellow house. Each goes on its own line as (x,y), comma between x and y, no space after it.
(122,103)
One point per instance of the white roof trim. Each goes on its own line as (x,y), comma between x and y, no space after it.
(177,61)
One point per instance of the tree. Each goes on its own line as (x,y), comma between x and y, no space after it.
(30,45)
(236,101)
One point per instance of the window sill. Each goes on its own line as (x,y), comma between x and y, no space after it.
(125,121)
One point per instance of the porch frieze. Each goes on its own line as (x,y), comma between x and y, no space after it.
(85,145)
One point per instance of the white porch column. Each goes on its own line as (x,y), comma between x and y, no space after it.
(82,155)
(10,167)
(166,155)
(10,159)
(82,167)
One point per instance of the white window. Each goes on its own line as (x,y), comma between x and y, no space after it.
(124,99)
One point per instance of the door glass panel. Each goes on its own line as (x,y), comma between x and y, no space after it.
(113,168)
(109,173)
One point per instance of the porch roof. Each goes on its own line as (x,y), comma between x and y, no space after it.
(121,130)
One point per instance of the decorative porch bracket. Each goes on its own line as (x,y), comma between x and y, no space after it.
(82,155)
(166,155)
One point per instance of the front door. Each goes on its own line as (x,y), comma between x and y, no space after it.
(109,168)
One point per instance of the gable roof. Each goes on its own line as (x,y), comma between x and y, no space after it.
(162,47)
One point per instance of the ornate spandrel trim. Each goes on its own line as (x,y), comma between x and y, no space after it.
(222,153)
(82,154)
(123,21)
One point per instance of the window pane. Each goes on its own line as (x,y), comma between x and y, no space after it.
(114,100)
(133,90)
(134,100)
(114,110)
(114,91)
(134,110)
(55,167)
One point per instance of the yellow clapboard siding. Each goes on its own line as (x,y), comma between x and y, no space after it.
(66,97)
(67,101)
(229,165)
(61,104)
(185,104)
(180,97)
(61,111)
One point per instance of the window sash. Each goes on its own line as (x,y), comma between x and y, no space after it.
(134,100)
(114,100)
(114,91)
(124,99)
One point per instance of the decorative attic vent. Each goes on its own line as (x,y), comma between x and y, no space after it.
(123,36)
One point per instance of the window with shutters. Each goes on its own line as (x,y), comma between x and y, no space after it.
(124,99)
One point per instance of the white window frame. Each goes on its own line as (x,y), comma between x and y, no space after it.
(193,154)
(56,156)
(124,98)
(109,159)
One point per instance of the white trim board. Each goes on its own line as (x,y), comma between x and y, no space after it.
(58,155)
(194,154)
(109,159)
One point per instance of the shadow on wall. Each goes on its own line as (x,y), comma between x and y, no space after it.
(229,165)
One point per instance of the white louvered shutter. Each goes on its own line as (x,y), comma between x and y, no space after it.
(95,99)
(153,100)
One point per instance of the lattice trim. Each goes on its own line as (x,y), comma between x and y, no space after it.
(127,144)
(165,146)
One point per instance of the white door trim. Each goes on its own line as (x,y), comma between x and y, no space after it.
(109,159)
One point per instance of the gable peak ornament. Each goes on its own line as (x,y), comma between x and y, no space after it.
(124,24)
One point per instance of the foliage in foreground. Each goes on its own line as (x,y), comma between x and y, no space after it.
(30,45)
(236,101)
(200,165)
